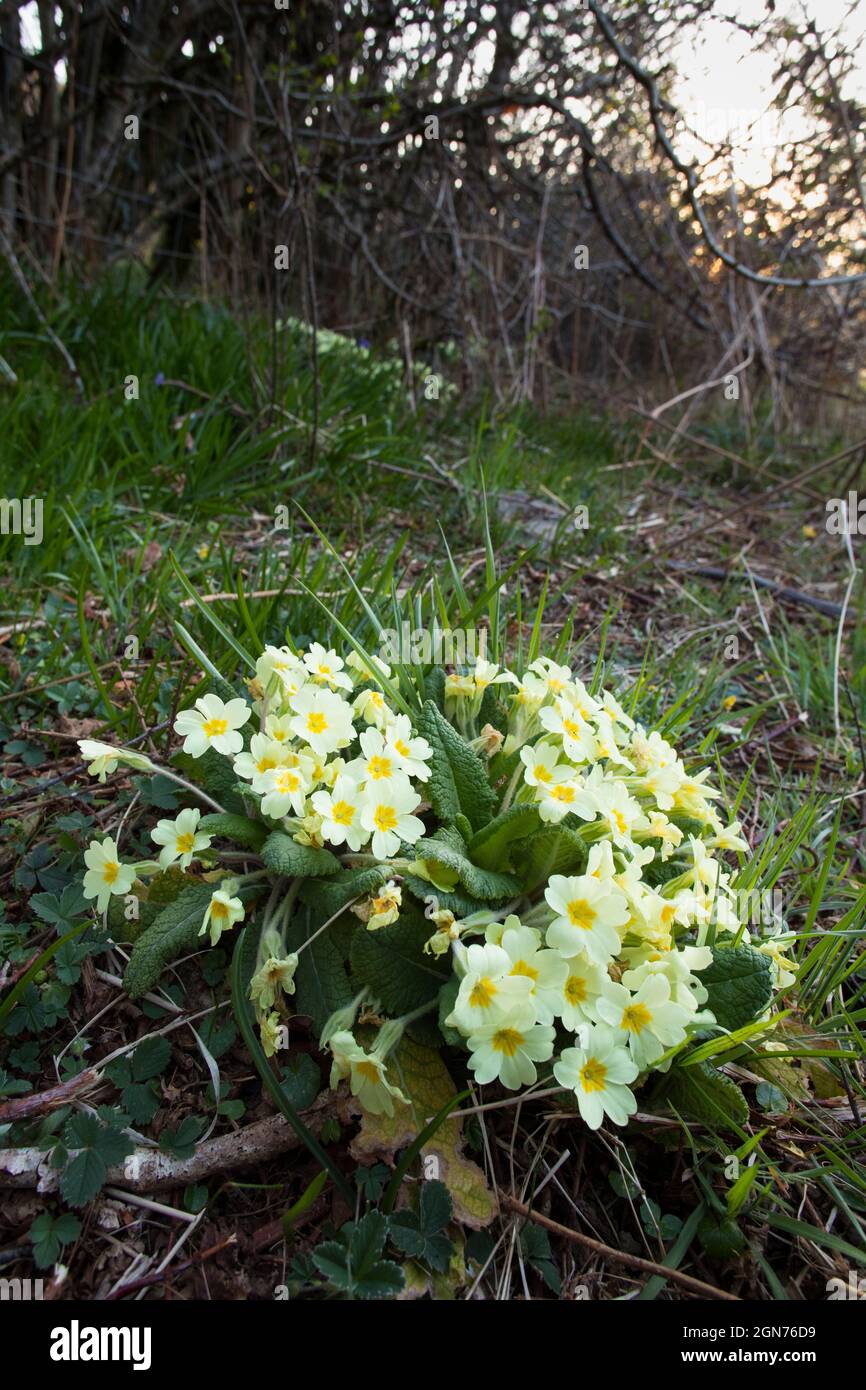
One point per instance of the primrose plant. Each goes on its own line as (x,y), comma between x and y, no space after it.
(506,866)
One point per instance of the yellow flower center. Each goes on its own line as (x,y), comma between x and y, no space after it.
(342,812)
(542,774)
(185,844)
(570,727)
(265,764)
(219,911)
(668,913)
(481,995)
(521,968)
(288,782)
(379,767)
(620,821)
(110,871)
(593,1075)
(369,1071)
(635,1018)
(580,914)
(507,1040)
(214,727)
(385,818)
(575,989)
(316,722)
(563,793)
(401,748)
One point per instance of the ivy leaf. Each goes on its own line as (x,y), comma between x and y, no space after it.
(392,963)
(535,1245)
(97,1146)
(283,855)
(447,848)
(49,1234)
(174,930)
(458,780)
(739,985)
(419,1233)
(703,1093)
(240,830)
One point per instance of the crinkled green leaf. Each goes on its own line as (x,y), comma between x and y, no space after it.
(490,847)
(321,983)
(329,895)
(703,1093)
(739,985)
(458,779)
(448,848)
(216,774)
(240,829)
(172,932)
(455,900)
(283,855)
(554,849)
(392,963)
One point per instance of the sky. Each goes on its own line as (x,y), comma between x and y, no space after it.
(725,84)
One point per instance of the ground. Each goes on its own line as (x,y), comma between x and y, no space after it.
(698,569)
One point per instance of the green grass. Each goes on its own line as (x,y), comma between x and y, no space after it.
(387,520)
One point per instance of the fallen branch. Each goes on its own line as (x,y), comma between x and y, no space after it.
(822,605)
(146,1170)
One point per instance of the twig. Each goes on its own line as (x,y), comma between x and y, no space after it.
(696,1286)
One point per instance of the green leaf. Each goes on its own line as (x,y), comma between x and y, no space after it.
(321,983)
(49,1233)
(150,1058)
(392,963)
(490,847)
(456,901)
(96,1146)
(419,1234)
(739,985)
(458,780)
(721,1237)
(301,1080)
(535,1245)
(239,829)
(554,849)
(172,932)
(448,848)
(181,1142)
(329,895)
(353,1264)
(283,855)
(702,1093)
(215,774)
(140,1102)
